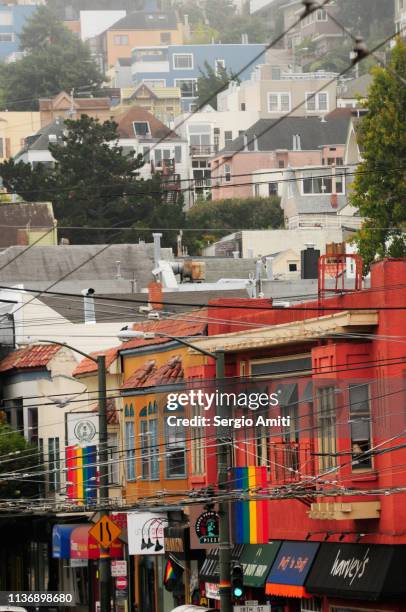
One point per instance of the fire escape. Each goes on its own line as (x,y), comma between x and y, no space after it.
(170,181)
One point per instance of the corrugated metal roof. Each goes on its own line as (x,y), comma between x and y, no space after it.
(35,356)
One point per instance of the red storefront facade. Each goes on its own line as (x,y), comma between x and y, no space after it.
(339,467)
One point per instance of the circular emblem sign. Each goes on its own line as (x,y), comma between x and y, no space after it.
(207,528)
(85,431)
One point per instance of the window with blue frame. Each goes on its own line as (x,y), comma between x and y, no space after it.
(149,442)
(130,449)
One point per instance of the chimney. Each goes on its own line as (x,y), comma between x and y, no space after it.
(88,306)
(269,268)
(255,142)
(157,249)
(334,200)
(309,261)
(155,295)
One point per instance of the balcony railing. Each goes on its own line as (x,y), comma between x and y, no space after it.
(290,462)
(204,183)
(203,150)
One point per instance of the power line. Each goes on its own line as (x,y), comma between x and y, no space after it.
(304,307)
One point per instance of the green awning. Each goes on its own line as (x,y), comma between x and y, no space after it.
(256,560)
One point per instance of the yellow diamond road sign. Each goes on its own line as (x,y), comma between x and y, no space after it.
(105,532)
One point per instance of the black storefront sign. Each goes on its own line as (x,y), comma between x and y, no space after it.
(210,570)
(177,542)
(358,571)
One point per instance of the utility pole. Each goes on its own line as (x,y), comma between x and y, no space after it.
(104,561)
(223,463)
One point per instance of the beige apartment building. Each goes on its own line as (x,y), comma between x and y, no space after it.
(14,128)
(273,90)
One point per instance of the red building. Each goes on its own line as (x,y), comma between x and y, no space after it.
(322,507)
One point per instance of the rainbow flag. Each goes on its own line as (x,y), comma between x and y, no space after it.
(81,474)
(251,518)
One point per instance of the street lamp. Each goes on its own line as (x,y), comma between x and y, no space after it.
(223,460)
(104,559)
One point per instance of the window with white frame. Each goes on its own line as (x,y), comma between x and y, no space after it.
(200,138)
(228,137)
(308,20)
(188,87)
(317,101)
(279,102)
(6,37)
(321,15)
(121,39)
(219,66)
(227,172)
(141,128)
(323,185)
(183,61)
(155,82)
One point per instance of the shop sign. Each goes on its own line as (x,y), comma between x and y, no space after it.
(83,428)
(118,568)
(146,533)
(212,590)
(207,527)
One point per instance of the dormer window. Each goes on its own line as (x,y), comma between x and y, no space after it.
(141,128)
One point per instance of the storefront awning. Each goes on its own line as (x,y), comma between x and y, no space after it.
(61,540)
(210,569)
(84,546)
(257,560)
(358,571)
(291,568)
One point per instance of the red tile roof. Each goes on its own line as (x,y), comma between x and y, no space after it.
(169,373)
(87,366)
(192,324)
(35,356)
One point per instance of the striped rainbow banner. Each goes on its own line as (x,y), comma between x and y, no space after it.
(81,473)
(251,518)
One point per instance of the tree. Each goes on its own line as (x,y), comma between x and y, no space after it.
(93,184)
(255,27)
(26,459)
(227,215)
(55,60)
(361,15)
(209,84)
(380,184)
